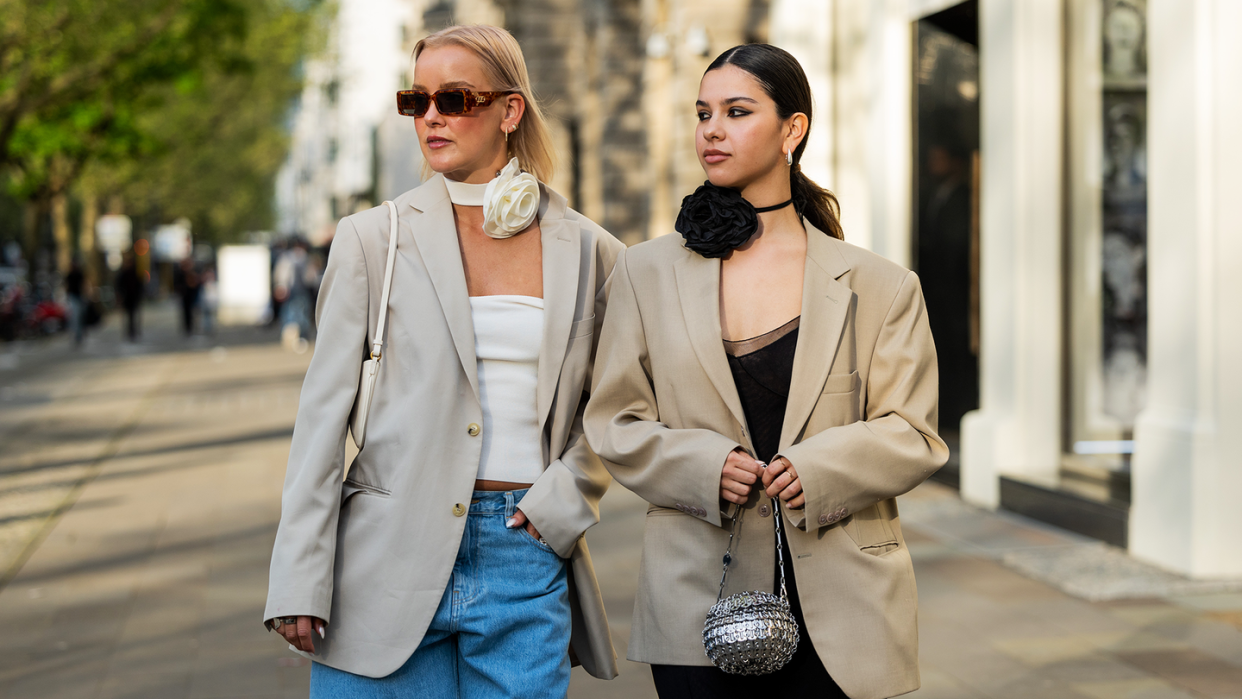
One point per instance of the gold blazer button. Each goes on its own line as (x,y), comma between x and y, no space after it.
(473,429)
(459,510)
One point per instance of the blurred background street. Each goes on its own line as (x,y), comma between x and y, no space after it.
(1058,172)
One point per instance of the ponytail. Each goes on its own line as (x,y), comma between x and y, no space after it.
(818,205)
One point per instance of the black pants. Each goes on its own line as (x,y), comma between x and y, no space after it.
(132,323)
(804,675)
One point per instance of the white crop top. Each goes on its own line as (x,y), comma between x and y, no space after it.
(508,332)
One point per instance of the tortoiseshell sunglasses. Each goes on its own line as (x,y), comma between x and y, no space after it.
(452,102)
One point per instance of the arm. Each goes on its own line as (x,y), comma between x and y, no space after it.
(895,447)
(667,467)
(305,548)
(564,502)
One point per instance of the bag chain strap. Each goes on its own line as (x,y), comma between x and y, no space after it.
(780,552)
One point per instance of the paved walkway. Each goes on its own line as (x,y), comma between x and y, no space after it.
(139,493)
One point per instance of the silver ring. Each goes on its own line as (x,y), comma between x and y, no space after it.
(291,620)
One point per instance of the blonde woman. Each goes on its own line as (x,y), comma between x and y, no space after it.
(450,562)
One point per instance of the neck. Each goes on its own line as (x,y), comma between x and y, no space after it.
(476,173)
(770,189)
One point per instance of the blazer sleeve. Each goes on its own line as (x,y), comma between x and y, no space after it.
(667,467)
(895,447)
(304,553)
(564,502)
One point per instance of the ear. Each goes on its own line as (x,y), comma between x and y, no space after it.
(795,131)
(515,109)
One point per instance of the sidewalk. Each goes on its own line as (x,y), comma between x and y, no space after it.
(140,490)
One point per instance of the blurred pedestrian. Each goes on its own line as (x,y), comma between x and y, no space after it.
(451,561)
(75,295)
(187,284)
(129,291)
(290,278)
(770,390)
(209,300)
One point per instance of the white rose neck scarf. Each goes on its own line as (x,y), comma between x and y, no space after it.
(509,202)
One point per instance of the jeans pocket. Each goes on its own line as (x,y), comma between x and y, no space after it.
(537,543)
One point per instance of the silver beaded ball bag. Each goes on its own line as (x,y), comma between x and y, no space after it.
(751,633)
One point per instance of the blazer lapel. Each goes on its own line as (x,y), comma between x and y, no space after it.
(825,308)
(560,239)
(698,287)
(435,235)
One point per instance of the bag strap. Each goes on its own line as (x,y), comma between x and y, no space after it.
(780,551)
(378,346)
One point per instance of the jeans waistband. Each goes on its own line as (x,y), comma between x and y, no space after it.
(491,502)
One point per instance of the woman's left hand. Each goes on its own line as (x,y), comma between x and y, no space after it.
(781,480)
(519,519)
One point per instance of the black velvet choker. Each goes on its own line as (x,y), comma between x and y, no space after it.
(717,220)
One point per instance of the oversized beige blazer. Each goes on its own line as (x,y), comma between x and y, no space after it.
(860,428)
(371,552)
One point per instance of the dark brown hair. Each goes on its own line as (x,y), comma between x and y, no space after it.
(781,77)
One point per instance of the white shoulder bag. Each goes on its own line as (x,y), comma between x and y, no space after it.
(370,368)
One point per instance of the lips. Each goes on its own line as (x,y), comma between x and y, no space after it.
(436,142)
(711,155)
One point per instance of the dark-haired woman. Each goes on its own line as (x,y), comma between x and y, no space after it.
(757,366)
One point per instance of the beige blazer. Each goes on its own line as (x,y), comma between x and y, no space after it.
(371,552)
(860,429)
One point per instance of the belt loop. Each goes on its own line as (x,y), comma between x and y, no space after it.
(509,505)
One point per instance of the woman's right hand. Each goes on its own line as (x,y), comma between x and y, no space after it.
(300,635)
(739,476)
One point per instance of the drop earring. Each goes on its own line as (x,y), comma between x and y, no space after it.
(789,158)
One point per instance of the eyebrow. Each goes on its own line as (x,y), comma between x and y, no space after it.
(448,85)
(731,100)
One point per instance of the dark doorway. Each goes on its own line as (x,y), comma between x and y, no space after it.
(946,220)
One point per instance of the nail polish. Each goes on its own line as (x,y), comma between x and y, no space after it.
(511,523)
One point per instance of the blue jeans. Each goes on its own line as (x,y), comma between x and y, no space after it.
(502,627)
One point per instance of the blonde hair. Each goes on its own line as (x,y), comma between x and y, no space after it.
(505,68)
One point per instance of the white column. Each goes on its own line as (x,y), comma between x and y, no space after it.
(804,28)
(1187,464)
(1017,430)
(872,124)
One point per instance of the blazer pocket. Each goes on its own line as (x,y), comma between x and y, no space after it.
(871,532)
(586,326)
(838,404)
(842,383)
(351,488)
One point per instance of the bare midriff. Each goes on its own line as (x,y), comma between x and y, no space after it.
(481,484)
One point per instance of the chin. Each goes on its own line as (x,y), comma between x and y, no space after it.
(724,177)
(442,164)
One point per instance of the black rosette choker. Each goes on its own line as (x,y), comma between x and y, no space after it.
(717,220)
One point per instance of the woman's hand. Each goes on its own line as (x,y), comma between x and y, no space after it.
(781,480)
(739,476)
(519,519)
(300,633)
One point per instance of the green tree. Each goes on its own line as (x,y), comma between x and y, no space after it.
(175,105)
(56,57)
(73,75)
(213,145)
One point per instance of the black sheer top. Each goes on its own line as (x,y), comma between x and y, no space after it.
(762,371)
